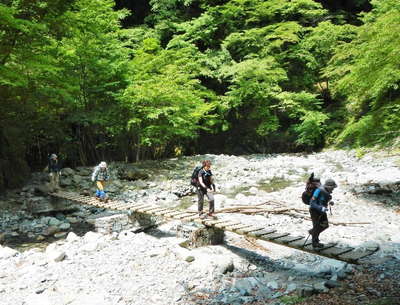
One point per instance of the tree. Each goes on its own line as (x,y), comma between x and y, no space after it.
(166,102)
(367,74)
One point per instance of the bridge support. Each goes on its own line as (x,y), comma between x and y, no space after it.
(198,235)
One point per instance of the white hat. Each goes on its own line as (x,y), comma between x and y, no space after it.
(103,164)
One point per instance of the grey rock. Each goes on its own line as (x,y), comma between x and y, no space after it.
(320,287)
(331,284)
(305,291)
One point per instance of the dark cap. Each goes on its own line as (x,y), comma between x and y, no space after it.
(330,183)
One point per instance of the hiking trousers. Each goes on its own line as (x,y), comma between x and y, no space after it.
(54,179)
(100,192)
(200,195)
(320,224)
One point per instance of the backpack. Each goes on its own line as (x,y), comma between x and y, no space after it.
(194,179)
(311,185)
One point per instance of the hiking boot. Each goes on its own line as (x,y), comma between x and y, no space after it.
(202,216)
(211,215)
(318,245)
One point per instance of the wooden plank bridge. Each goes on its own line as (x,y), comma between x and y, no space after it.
(347,254)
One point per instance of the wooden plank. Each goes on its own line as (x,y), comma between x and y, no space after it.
(355,255)
(288,239)
(335,251)
(179,215)
(326,246)
(244,227)
(172,214)
(184,215)
(210,222)
(300,243)
(148,208)
(248,230)
(161,212)
(226,224)
(272,236)
(261,232)
(135,208)
(238,226)
(191,218)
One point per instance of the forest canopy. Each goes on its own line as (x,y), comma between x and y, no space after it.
(131,80)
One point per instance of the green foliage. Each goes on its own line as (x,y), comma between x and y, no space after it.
(291,300)
(366,71)
(257,74)
(166,102)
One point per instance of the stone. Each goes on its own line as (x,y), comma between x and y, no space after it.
(331,284)
(189,258)
(56,255)
(72,237)
(291,287)
(320,287)
(60,234)
(6,252)
(64,226)
(50,231)
(305,291)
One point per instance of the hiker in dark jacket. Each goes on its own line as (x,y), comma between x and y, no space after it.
(54,170)
(206,187)
(318,209)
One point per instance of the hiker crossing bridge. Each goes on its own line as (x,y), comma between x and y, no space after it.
(347,254)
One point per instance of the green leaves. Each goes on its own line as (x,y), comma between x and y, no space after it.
(165,100)
(367,71)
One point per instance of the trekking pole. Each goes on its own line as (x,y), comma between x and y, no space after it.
(306,240)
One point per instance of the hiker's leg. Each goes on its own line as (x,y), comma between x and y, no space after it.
(200,197)
(315,217)
(323,222)
(100,185)
(102,189)
(210,197)
(57,180)
(51,177)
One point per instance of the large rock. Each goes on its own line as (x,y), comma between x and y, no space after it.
(6,252)
(131,173)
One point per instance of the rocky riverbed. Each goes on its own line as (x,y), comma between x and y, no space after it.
(44,262)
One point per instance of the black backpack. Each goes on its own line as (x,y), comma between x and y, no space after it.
(311,185)
(194,180)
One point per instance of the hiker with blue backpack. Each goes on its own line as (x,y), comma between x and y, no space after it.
(100,176)
(319,201)
(202,179)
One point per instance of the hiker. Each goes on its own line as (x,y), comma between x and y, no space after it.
(54,170)
(100,176)
(318,209)
(205,187)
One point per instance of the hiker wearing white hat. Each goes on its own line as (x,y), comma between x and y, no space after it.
(54,169)
(100,176)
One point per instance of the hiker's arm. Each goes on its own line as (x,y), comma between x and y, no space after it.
(314,202)
(201,182)
(94,175)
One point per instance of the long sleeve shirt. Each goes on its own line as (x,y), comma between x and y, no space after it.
(320,199)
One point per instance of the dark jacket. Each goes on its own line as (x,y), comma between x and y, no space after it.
(320,198)
(54,166)
(206,175)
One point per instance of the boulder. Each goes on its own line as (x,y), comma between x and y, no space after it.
(131,173)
